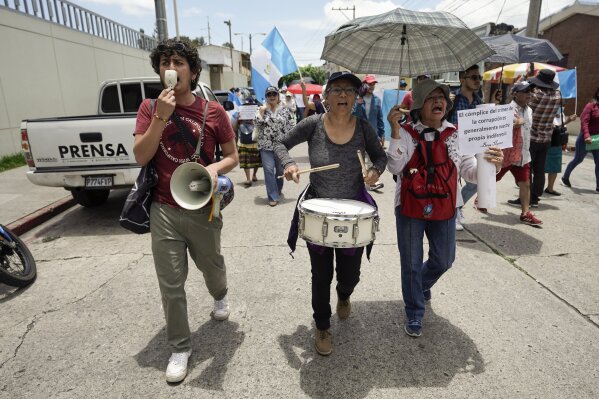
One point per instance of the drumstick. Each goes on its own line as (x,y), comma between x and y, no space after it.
(318,169)
(361,158)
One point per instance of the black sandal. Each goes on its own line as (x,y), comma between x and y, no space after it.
(552,192)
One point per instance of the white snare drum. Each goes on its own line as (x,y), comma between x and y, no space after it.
(337,223)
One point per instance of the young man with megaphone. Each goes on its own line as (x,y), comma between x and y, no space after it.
(175,229)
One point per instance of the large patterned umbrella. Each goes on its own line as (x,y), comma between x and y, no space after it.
(513,72)
(405,43)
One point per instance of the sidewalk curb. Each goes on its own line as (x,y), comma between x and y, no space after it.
(38,217)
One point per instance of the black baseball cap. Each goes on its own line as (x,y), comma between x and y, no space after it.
(522,87)
(353,79)
(271,89)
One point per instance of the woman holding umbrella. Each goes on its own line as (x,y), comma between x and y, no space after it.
(429,112)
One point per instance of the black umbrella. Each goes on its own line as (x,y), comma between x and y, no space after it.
(510,49)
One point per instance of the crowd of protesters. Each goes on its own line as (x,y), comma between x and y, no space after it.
(347,116)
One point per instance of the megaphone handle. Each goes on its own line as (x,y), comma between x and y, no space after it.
(215,211)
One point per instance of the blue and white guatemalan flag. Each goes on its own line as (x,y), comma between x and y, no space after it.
(567,83)
(271,60)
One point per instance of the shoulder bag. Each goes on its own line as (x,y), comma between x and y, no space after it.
(559,136)
(135,215)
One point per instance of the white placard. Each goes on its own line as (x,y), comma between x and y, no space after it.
(247,112)
(484,127)
(299,100)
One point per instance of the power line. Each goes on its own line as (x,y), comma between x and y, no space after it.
(500,11)
(480,8)
(450,5)
(457,7)
(318,32)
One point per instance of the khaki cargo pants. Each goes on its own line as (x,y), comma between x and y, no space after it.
(175,231)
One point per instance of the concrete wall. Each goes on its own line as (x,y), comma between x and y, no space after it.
(48,70)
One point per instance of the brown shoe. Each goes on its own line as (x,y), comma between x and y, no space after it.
(323,342)
(343,308)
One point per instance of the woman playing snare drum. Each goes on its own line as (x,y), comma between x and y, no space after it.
(334,137)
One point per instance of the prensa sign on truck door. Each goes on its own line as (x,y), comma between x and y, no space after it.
(98,151)
(71,143)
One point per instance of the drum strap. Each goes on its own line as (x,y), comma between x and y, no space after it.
(294,228)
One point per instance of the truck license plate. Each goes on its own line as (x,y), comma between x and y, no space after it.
(98,181)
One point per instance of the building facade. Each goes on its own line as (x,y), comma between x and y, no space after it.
(224,72)
(573,30)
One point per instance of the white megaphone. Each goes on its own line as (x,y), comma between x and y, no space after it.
(192,187)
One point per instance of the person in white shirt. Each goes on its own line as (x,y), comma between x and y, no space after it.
(288,101)
(517,158)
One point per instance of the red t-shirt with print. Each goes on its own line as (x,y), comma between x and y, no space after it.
(175,149)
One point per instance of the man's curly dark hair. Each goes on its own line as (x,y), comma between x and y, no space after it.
(170,47)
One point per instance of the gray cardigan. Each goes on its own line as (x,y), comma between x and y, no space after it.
(346,181)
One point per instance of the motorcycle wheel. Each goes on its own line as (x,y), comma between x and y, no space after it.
(17,266)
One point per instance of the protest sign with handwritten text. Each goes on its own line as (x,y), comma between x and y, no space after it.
(484,127)
(247,112)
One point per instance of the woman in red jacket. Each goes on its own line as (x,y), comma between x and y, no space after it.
(589,126)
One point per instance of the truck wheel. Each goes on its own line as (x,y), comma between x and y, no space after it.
(89,198)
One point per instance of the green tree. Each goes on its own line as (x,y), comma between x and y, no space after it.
(187,40)
(315,72)
(227,44)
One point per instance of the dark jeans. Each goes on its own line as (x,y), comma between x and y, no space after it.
(418,275)
(538,155)
(579,156)
(348,276)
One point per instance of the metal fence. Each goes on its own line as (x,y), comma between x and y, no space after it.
(78,18)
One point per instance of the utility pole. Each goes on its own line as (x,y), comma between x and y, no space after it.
(176,19)
(161,20)
(534,14)
(208,19)
(250,35)
(230,42)
(353,8)
(263,34)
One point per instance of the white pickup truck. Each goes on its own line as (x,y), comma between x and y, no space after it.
(90,155)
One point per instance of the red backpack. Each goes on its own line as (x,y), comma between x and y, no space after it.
(429,180)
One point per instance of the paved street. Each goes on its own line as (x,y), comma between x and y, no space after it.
(516,317)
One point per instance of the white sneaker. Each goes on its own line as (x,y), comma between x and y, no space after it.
(221,309)
(460,216)
(177,366)
(458,225)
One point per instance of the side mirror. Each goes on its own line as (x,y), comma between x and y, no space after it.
(228,105)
